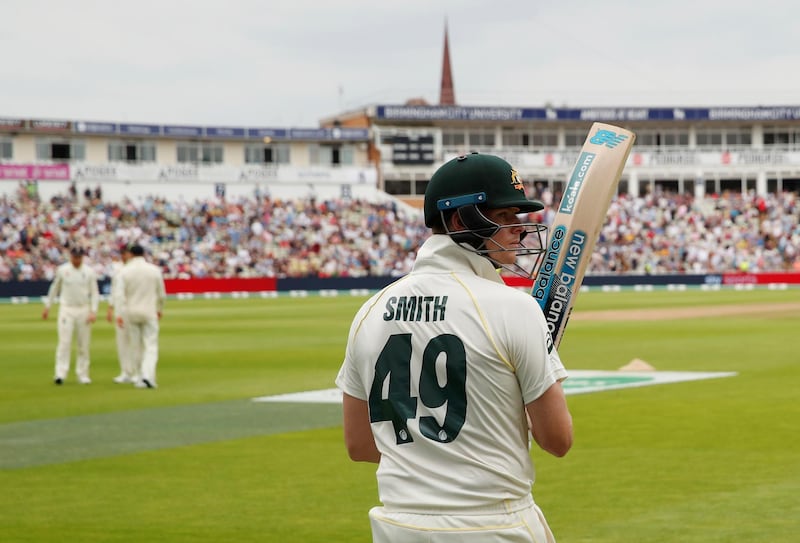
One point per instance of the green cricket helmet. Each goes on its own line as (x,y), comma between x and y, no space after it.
(470,184)
(475,179)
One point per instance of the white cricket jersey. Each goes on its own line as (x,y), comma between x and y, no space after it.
(140,293)
(447,358)
(114,294)
(74,287)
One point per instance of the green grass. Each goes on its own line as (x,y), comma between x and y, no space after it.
(196,461)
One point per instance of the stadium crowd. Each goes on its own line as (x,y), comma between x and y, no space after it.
(262,236)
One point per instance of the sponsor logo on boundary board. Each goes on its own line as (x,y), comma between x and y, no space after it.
(579,382)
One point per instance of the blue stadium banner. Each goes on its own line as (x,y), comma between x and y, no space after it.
(94,128)
(458,113)
(592,114)
(336,133)
(272,133)
(225,132)
(360,134)
(140,129)
(309,133)
(789,113)
(183,131)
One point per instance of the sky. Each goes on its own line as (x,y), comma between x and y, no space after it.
(292,63)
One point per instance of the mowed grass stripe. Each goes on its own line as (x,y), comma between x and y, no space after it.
(210,351)
(290,487)
(71,439)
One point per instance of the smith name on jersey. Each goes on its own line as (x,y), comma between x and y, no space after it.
(415,308)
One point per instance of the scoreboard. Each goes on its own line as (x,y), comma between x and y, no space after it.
(411,150)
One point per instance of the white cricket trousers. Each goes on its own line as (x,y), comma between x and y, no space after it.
(143,337)
(72,321)
(126,366)
(514,521)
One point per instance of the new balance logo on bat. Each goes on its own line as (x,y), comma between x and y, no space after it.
(608,138)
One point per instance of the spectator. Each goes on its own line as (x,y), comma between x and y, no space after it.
(273,237)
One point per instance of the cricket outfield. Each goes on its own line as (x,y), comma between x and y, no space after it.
(198,460)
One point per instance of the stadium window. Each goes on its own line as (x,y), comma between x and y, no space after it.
(453,139)
(397,186)
(320,155)
(741,137)
(327,155)
(211,153)
(347,155)
(207,153)
(61,150)
(674,139)
(772,185)
(701,139)
(646,139)
(730,185)
(666,186)
(147,152)
(791,185)
(115,151)
(266,154)
(420,185)
(187,152)
(574,138)
(515,138)
(545,140)
(709,138)
(6,149)
(779,136)
(121,151)
(481,138)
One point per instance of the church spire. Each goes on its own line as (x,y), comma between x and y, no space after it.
(447,94)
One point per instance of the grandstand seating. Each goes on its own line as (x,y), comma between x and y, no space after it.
(264,235)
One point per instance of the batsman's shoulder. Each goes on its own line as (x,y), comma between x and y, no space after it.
(375,300)
(518,294)
(520,301)
(499,293)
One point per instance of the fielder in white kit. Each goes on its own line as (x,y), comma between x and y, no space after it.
(128,372)
(140,301)
(75,287)
(448,372)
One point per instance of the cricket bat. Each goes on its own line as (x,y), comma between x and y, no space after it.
(577,223)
